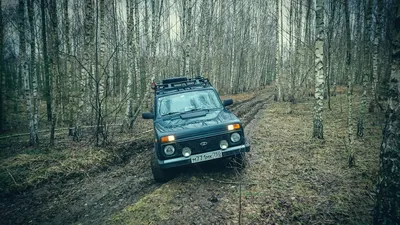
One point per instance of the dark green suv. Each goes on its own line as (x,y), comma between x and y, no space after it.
(192,125)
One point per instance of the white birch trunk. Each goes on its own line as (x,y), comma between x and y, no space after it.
(188,36)
(69,70)
(2,74)
(129,91)
(35,138)
(85,70)
(55,90)
(349,88)
(232,65)
(278,57)
(375,55)
(137,51)
(25,71)
(318,131)
(203,29)
(367,67)
(387,195)
(103,71)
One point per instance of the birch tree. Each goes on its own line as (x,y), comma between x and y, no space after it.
(205,35)
(188,36)
(24,70)
(85,68)
(47,84)
(366,65)
(278,57)
(387,208)
(69,70)
(139,79)
(129,86)
(233,48)
(35,139)
(101,72)
(2,73)
(55,62)
(375,55)
(349,87)
(318,131)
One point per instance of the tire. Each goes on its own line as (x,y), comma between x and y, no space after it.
(159,174)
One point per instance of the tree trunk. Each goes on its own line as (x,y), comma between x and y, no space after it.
(349,87)
(139,78)
(85,68)
(188,37)
(387,208)
(278,53)
(375,55)
(129,85)
(2,72)
(55,62)
(330,53)
(47,87)
(35,138)
(366,66)
(297,67)
(318,131)
(204,28)
(24,70)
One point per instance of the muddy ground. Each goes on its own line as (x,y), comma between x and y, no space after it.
(290,179)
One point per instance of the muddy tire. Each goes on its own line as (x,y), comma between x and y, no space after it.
(159,174)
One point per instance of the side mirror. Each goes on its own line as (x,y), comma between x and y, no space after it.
(147,115)
(227,102)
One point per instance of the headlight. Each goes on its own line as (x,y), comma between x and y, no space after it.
(223,144)
(235,137)
(186,152)
(168,138)
(235,126)
(169,150)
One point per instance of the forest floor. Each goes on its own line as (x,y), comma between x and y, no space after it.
(290,178)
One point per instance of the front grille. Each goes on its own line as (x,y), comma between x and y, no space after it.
(212,143)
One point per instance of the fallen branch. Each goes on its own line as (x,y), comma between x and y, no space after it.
(15,182)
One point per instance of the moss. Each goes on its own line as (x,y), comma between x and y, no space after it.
(151,209)
(30,169)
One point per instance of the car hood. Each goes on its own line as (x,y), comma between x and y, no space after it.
(214,120)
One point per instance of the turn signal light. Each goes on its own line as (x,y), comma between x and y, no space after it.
(168,138)
(234,126)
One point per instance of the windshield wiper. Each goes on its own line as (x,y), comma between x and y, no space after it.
(170,113)
(192,110)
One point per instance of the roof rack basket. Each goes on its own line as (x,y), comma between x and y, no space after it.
(180,83)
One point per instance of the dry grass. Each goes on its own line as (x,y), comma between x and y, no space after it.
(33,167)
(301,180)
(292,179)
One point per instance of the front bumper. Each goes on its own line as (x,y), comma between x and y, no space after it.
(181,161)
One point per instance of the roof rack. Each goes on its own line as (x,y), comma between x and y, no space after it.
(179,84)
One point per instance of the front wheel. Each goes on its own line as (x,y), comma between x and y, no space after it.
(159,174)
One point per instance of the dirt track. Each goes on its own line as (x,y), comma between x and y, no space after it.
(95,199)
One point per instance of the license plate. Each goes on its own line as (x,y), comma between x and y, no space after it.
(206,156)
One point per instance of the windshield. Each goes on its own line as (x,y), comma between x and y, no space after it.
(188,101)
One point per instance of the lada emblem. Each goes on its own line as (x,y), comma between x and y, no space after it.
(204,143)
